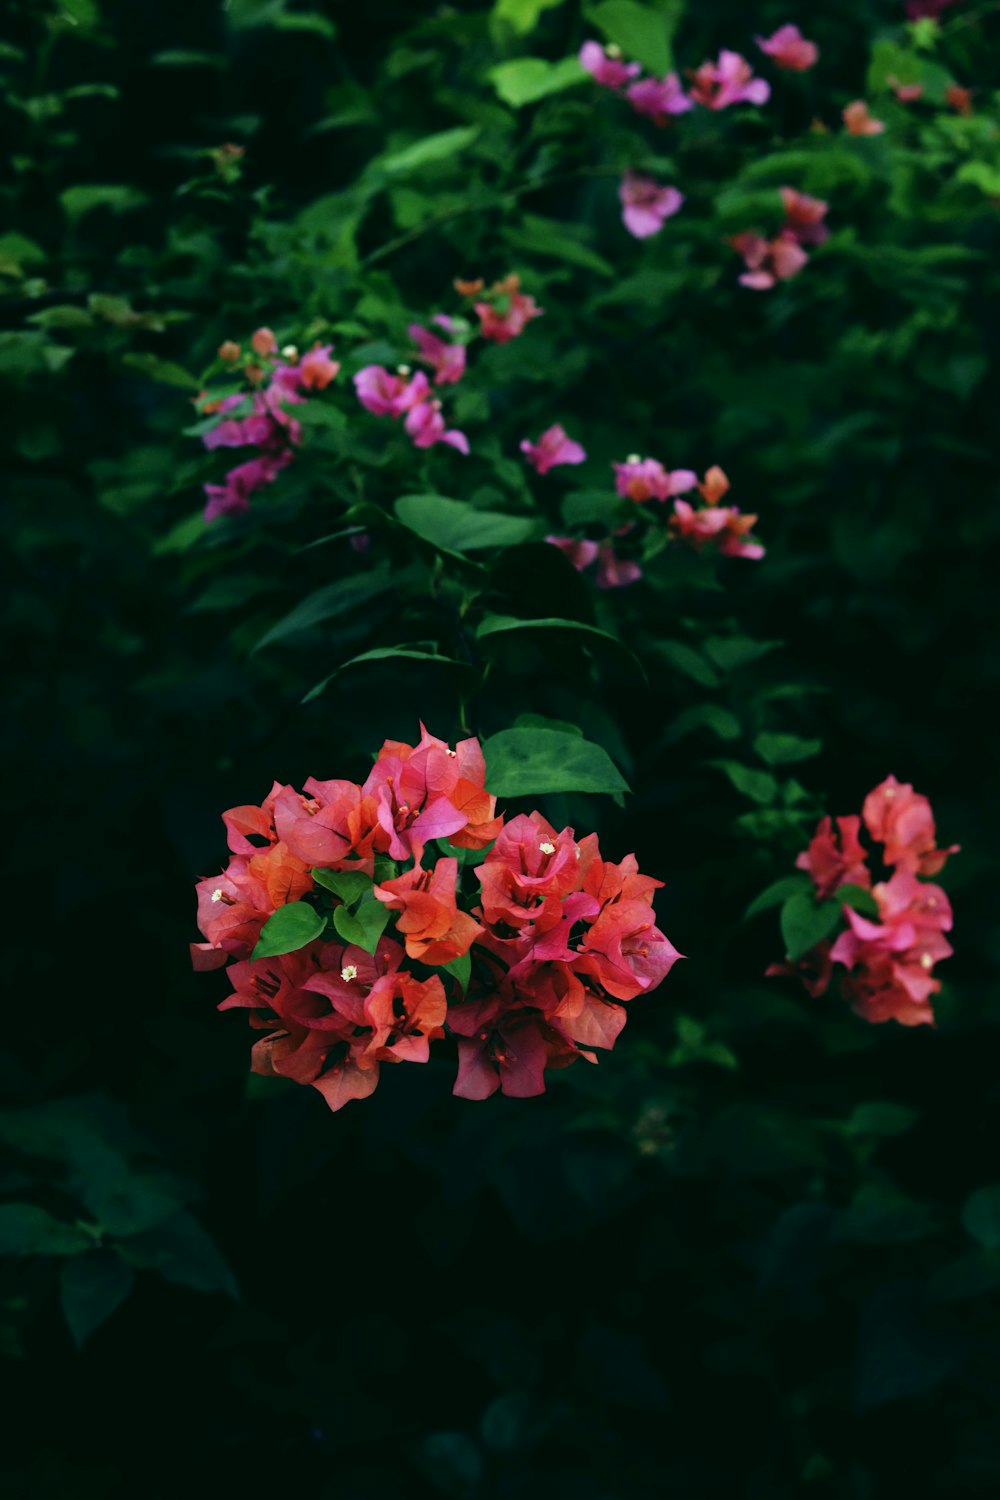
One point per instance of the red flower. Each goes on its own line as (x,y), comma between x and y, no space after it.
(835,856)
(436,931)
(902,820)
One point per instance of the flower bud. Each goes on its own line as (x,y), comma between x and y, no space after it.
(229,352)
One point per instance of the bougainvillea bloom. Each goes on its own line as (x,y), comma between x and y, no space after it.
(508,312)
(555,937)
(614,572)
(859,121)
(659,98)
(958,98)
(316,369)
(646,205)
(552,448)
(447,360)
(241,484)
(917,9)
(789,49)
(425,425)
(728,81)
(605,66)
(902,820)
(722,525)
(835,856)
(643,479)
(580,552)
(387,395)
(263,342)
(804,217)
(768,261)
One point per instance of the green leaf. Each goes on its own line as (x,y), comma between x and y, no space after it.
(590,635)
(525,80)
(760,785)
(535,236)
(77,201)
(460,969)
(981,1216)
(774,895)
(521,15)
(349,885)
(806,922)
(859,899)
(881,1119)
(329,603)
(721,721)
(182,1252)
(687,660)
(444,146)
(525,762)
(91,1288)
(456,526)
(365,925)
(182,536)
(28,1230)
(643,32)
(163,370)
(65,316)
(386,653)
(305,21)
(782,749)
(125,1202)
(291,927)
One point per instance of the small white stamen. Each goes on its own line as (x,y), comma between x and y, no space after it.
(452,753)
(633,458)
(926,962)
(349,972)
(612,50)
(289,352)
(218,894)
(402,369)
(547,848)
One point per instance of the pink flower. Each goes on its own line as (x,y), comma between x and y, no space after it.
(858,121)
(723,525)
(446,360)
(508,312)
(645,204)
(769,261)
(642,479)
(580,552)
(614,572)
(425,425)
(241,483)
(789,49)
(902,820)
(804,217)
(728,81)
(906,93)
(891,961)
(552,448)
(659,98)
(916,9)
(389,395)
(263,342)
(316,369)
(605,66)
(835,857)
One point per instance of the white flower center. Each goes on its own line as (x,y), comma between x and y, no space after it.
(349,972)
(402,369)
(633,458)
(218,894)
(926,962)
(289,352)
(547,848)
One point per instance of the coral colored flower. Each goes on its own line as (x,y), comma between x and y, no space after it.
(229,351)
(728,81)
(835,856)
(436,931)
(552,448)
(643,479)
(789,49)
(769,261)
(723,525)
(958,98)
(906,93)
(646,205)
(901,819)
(468,288)
(447,360)
(316,369)
(425,425)
(605,66)
(579,550)
(714,485)
(508,312)
(858,121)
(264,342)
(387,395)
(659,98)
(626,951)
(804,217)
(891,961)
(614,572)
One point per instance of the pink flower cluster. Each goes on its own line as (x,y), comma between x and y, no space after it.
(644,479)
(646,204)
(267,425)
(716,85)
(553,940)
(789,49)
(888,959)
(769,261)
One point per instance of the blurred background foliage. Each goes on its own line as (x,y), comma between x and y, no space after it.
(758,1250)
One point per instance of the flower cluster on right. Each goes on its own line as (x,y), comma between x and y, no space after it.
(892,930)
